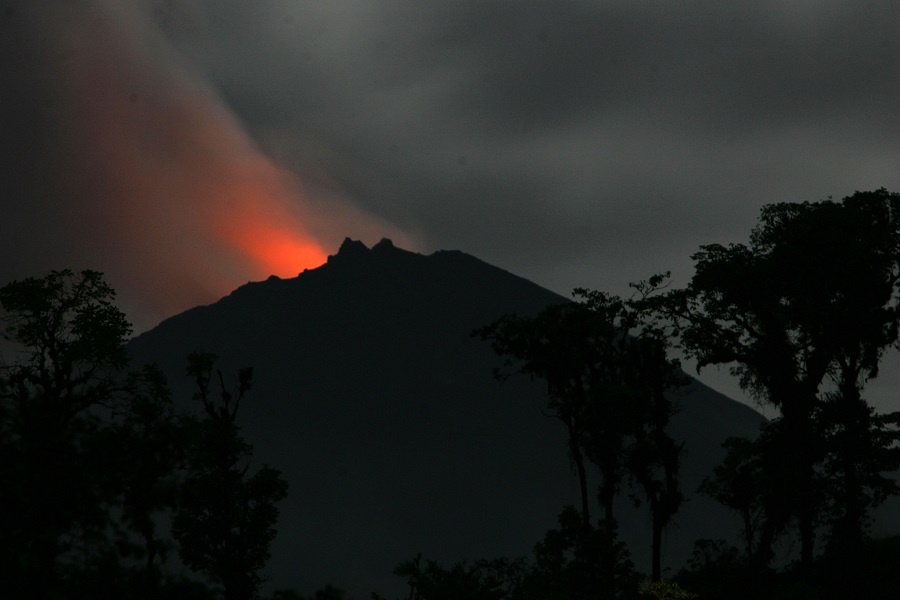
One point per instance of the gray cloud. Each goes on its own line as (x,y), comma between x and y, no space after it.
(578,143)
(478,108)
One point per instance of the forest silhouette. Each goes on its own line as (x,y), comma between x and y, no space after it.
(111,490)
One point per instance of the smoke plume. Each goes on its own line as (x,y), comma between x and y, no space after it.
(134,166)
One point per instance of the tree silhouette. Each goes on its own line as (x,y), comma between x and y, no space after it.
(574,561)
(643,375)
(861,455)
(555,346)
(88,452)
(55,476)
(226,518)
(482,580)
(811,301)
(606,372)
(653,463)
(738,484)
(151,441)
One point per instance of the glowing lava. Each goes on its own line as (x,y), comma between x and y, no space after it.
(158,183)
(275,246)
(184,205)
(280,252)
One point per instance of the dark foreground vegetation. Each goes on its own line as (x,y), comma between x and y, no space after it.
(106,491)
(93,454)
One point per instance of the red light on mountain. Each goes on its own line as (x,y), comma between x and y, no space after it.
(180,201)
(276,251)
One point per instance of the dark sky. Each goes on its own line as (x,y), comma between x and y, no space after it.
(184,147)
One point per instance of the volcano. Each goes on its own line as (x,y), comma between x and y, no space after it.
(383,414)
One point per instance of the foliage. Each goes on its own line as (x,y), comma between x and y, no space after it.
(813,299)
(738,483)
(568,563)
(484,580)
(90,457)
(53,457)
(68,326)
(327,593)
(861,455)
(225,519)
(666,590)
(563,345)
(607,374)
(575,561)
(151,442)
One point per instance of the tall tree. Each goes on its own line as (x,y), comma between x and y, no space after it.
(737,484)
(150,441)
(71,339)
(557,346)
(606,372)
(812,298)
(846,290)
(225,520)
(638,378)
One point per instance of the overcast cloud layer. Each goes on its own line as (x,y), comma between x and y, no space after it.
(574,143)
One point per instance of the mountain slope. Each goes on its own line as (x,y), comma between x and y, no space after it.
(382,412)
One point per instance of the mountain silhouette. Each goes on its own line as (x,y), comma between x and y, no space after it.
(383,414)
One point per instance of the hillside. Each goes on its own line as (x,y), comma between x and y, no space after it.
(382,412)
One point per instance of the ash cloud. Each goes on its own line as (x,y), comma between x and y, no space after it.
(120,157)
(537,135)
(577,144)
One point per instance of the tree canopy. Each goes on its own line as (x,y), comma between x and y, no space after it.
(607,375)
(803,314)
(92,455)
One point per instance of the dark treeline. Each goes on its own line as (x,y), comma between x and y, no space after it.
(803,315)
(104,483)
(94,458)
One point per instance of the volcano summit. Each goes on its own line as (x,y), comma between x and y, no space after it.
(383,414)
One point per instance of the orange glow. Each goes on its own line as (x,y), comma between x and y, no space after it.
(183,203)
(191,200)
(277,251)
(257,216)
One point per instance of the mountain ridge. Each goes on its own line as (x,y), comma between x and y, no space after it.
(381,410)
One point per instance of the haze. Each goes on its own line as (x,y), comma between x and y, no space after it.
(184,147)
